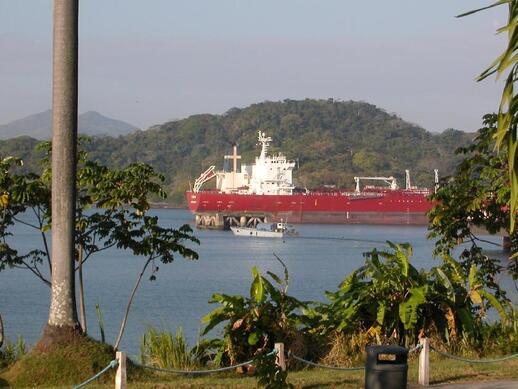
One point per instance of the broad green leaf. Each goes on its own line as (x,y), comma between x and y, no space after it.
(495,304)
(475,297)
(286,273)
(253,338)
(408,310)
(500,2)
(466,319)
(214,318)
(274,277)
(402,260)
(380,316)
(458,275)
(473,278)
(446,283)
(257,287)
(348,282)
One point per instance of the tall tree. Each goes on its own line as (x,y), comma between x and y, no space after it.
(506,134)
(63,311)
(473,200)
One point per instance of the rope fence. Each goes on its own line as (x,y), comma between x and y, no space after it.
(208,371)
(416,348)
(112,365)
(457,358)
(291,355)
(424,360)
(314,364)
(423,347)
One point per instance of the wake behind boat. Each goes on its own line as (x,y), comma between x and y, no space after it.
(262,230)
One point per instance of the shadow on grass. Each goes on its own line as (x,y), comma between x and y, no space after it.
(332,384)
(454,378)
(3,383)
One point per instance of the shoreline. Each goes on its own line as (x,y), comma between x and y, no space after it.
(167,206)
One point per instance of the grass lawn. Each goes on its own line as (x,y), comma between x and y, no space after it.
(442,370)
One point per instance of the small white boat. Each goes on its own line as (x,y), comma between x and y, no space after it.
(275,230)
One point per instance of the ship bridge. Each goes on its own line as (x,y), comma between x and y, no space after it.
(271,175)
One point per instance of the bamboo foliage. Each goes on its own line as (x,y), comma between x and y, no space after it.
(507,62)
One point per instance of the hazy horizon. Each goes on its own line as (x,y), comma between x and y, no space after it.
(147,63)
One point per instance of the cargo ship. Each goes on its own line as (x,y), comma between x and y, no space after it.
(263,192)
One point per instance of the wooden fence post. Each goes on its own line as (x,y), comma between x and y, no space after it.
(120,377)
(424,362)
(280,358)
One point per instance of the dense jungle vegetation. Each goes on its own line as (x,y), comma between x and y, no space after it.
(332,141)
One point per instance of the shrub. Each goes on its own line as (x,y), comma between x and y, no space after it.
(253,324)
(167,350)
(390,300)
(12,352)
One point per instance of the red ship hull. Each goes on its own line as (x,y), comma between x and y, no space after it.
(374,206)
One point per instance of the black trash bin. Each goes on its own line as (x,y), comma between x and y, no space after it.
(386,367)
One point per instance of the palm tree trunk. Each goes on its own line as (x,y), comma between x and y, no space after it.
(63,312)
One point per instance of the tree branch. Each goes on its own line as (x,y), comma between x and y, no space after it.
(43,237)
(94,252)
(128,305)
(22,222)
(484,240)
(37,273)
(47,252)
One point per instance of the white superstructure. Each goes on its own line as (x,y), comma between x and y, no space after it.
(270,175)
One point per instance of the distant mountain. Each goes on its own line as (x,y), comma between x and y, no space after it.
(94,124)
(39,126)
(332,141)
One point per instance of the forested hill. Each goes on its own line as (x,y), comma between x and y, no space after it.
(332,141)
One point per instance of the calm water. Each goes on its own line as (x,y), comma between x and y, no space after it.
(317,260)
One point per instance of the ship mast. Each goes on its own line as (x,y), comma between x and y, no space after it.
(234,157)
(265,142)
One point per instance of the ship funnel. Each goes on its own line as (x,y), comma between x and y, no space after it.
(407,179)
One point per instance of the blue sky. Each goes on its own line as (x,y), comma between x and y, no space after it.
(147,62)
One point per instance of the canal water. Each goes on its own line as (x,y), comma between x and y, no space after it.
(317,261)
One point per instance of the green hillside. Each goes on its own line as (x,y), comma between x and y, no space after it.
(332,140)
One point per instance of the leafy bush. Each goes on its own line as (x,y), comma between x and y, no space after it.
(391,301)
(253,324)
